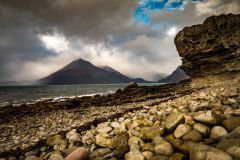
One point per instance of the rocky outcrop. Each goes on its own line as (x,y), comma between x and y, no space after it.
(212,47)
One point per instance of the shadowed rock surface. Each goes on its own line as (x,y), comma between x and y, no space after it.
(210,48)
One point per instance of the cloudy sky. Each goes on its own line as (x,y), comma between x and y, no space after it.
(38,37)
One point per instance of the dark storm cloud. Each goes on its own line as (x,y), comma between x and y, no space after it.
(95,22)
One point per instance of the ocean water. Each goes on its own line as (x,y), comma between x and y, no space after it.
(28,94)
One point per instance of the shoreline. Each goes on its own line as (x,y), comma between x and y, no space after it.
(80,116)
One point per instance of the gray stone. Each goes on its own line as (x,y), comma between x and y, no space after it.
(204,152)
(173,120)
(181,130)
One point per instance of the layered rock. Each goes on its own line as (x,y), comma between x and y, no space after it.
(210,48)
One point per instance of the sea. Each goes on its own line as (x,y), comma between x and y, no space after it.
(16,95)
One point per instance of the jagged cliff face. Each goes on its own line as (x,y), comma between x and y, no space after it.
(210,48)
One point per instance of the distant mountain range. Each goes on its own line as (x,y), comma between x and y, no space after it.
(84,72)
(176,76)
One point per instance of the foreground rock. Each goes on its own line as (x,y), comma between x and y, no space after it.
(212,47)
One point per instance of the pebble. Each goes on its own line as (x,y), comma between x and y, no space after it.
(218,132)
(181,130)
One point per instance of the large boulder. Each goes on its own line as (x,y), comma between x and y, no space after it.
(212,47)
(203,152)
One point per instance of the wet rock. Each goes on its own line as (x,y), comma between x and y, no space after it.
(193,135)
(152,132)
(203,152)
(203,129)
(78,154)
(231,146)
(208,117)
(231,123)
(134,155)
(234,134)
(181,130)
(173,120)
(217,132)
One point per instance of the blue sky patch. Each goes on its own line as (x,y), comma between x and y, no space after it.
(145,8)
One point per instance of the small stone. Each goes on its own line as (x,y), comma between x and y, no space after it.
(134,155)
(56,140)
(164,148)
(231,146)
(104,130)
(218,132)
(231,123)
(181,130)
(202,152)
(31,153)
(236,112)
(103,141)
(208,117)
(134,147)
(193,135)
(173,120)
(73,136)
(27,158)
(159,157)
(148,147)
(120,144)
(203,129)
(56,156)
(78,154)
(152,132)
(177,156)
(115,125)
(147,155)
(101,152)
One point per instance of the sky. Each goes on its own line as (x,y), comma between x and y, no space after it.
(135,37)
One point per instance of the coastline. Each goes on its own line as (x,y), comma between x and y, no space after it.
(30,125)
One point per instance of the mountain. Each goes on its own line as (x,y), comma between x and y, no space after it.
(83,72)
(138,80)
(176,76)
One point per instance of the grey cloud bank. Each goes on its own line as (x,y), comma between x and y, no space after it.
(39,37)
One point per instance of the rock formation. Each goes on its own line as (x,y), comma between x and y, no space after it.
(210,48)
